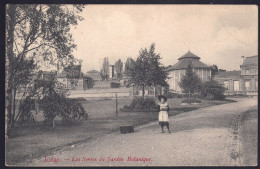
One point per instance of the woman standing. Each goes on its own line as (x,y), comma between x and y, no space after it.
(163,114)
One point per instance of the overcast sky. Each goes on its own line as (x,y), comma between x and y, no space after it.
(219,34)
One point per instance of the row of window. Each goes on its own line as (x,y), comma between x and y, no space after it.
(236,85)
(249,71)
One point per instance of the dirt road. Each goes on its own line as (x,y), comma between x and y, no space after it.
(205,137)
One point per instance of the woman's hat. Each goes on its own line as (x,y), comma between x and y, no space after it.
(161,96)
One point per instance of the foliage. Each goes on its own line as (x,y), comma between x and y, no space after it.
(190,81)
(26,108)
(119,68)
(54,105)
(90,82)
(36,32)
(212,90)
(105,68)
(147,69)
(129,64)
(73,73)
(114,85)
(23,71)
(214,70)
(138,104)
(191,100)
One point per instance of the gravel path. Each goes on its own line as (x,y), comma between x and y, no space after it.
(205,137)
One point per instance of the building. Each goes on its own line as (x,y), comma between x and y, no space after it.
(149,91)
(177,70)
(243,81)
(94,74)
(80,84)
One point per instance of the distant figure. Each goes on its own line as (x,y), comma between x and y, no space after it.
(163,114)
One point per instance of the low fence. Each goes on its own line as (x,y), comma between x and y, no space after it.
(101,95)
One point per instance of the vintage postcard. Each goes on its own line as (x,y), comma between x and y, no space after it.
(131,85)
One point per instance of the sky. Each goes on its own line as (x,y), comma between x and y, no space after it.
(218,34)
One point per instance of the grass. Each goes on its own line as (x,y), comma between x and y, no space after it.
(39,140)
(248,135)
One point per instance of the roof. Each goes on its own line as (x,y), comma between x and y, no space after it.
(189,55)
(250,61)
(93,71)
(63,74)
(185,60)
(228,74)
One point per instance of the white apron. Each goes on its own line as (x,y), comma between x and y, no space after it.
(163,115)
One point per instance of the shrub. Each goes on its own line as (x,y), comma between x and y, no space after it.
(212,90)
(191,100)
(54,105)
(90,82)
(138,104)
(26,109)
(114,85)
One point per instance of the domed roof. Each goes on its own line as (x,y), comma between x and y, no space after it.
(189,55)
(185,60)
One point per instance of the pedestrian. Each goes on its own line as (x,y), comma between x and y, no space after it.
(163,114)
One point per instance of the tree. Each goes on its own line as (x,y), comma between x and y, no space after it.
(214,70)
(37,31)
(105,68)
(190,81)
(73,73)
(119,68)
(22,74)
(147,70)
(212,90)
(129,64)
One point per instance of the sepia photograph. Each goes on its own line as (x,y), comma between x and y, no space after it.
(131,85)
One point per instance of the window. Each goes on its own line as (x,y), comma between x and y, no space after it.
(236,85)
(226,84)
(247,71)
(247,85)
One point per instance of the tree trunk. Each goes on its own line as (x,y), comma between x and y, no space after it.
(14,107)
(143,91)
(10,25)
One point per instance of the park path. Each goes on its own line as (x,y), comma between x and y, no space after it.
(204,137)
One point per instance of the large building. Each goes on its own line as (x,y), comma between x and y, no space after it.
(243,81)
(94,74)
(79,84)
(177,70)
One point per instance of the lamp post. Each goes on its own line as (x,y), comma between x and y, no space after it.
(116,105)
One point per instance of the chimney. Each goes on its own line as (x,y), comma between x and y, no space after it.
(243,59)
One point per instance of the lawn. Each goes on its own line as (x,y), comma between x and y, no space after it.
(39,140)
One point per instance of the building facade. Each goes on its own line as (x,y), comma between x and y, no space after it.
(243,81)
(80,84)
(177,70)
(94,74)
